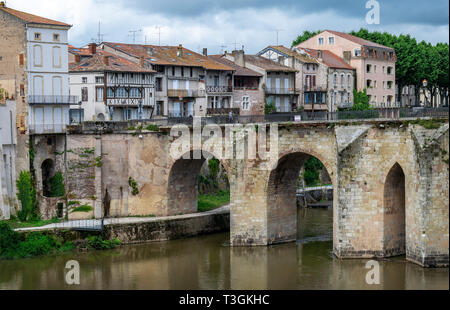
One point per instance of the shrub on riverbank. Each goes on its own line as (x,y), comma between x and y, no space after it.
(213,201)
(14,246)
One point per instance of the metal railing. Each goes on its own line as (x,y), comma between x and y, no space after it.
(219,89)
(52,100)
(47,128)
(182,93)
(297,117)
(280,91)
(223,111)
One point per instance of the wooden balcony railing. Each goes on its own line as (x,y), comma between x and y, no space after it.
(219,89)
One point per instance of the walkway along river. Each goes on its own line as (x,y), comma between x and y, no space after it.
(207,262)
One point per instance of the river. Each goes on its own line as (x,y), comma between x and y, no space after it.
(208,262)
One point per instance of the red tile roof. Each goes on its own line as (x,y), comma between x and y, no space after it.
(79,51)
(115,64)
(358,40)
(289,52)
(32,19)
(239,71)
(267,64)
(167,56)
(329,59)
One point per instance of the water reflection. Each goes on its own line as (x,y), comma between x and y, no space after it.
(208,263)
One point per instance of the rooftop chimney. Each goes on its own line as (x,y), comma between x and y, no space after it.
(142,61)
(205,51)
(239,58)
(180,51)
(92,48)
(77,59)
(106,60)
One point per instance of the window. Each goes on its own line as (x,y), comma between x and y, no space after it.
(357,53)
(158,84)
(349,81)
(84,94)
(182,71)
(173,71)
(375,84)
(37,51)
(56,57)
(191,72)
(342,81)
(99,80)
(84,80)
(159,108)
(121,92)
(375,69)
(135,92)
(99,94)
(335,80)
(56,37)
(37,36)
(245,103)
(321,41)
(389,70)
(369,83)
(368,68)
(331,40)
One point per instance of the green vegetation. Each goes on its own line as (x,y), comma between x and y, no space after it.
(270,108)
(12,246)
(27,196)
(213,201)
(427,123)
(305,36)
(152,127)
(134,188)
(83,208)
(57,188)
(313,167)
(98,243)
(361,101)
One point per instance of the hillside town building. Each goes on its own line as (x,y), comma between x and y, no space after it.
(374,63)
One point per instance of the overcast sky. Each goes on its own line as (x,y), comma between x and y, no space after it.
(219,24)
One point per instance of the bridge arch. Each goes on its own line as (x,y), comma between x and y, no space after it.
(282,194)
(183,181)
(394,212)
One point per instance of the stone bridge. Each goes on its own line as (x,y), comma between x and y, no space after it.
(390,179)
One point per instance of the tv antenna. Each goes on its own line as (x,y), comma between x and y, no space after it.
(278,31)
(133,34)
(159,34)
(100,35)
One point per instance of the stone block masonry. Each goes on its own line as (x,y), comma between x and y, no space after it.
(390,181)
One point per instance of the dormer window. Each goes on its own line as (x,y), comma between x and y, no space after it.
(37,36)
(56,37)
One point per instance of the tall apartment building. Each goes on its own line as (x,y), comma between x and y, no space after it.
(186,83)
(110,87)
(374,63)
(34,72)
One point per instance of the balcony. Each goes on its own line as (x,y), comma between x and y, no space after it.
(314,89)
(219,89)
(316,107)
(223,111)
(182,93)
(244,88)
(41,129)
(280,91)
(52,100)
(128,102)
(344,105)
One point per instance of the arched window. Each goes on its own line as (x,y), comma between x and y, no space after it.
(56,57)
(37,55)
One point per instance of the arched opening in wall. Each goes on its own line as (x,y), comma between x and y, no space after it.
(300,200)
(394,230)
(48,171)
(197,185)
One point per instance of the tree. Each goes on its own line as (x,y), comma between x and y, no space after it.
(305,36)
(360,101)
(27,196)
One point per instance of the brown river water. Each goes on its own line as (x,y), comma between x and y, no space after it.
(208,262)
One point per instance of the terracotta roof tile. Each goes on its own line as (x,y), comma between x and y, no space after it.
(329,59)
(267,64)
(32,19)
(115,64)
(239,71)
(168,56)
(79,51)
(358,40)
(289,52)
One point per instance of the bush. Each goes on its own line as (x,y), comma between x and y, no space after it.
(83,208)
(8,238)
(57,188)
(27,196)
(313,167)
(152,127)
(97,243)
